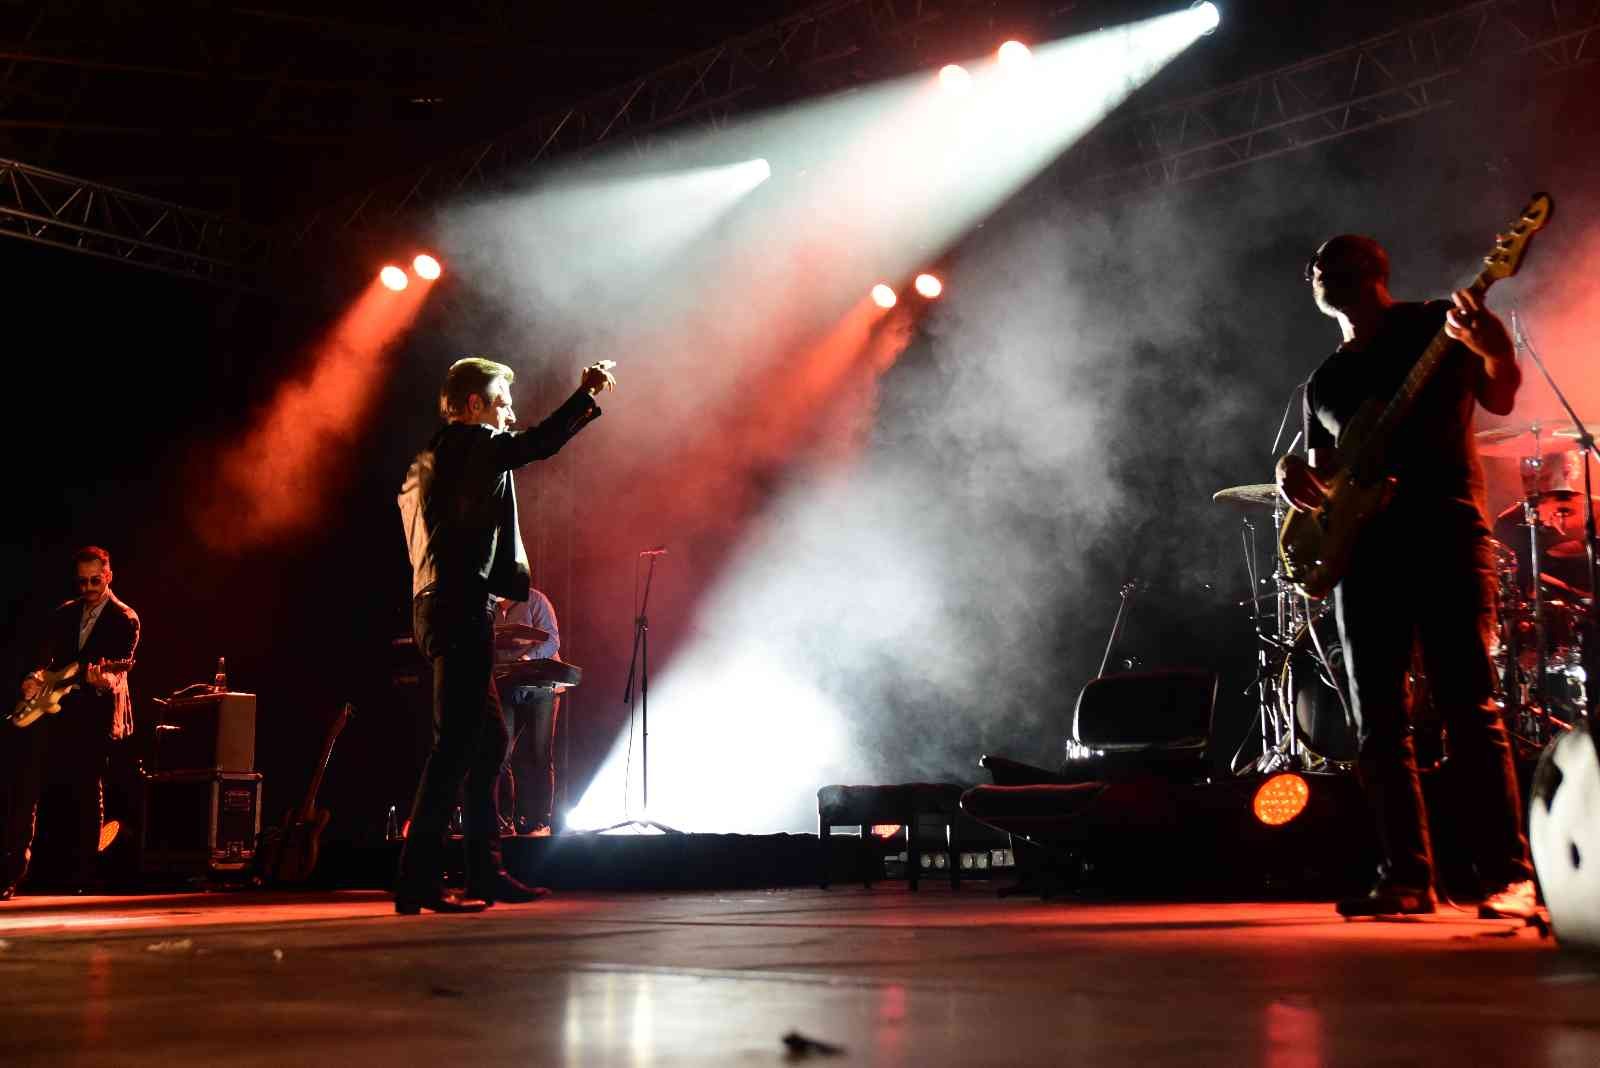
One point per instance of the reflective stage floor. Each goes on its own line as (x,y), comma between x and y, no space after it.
(892,977)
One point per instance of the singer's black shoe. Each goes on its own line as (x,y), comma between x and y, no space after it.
(439,901)
(505,887)
(1388,899)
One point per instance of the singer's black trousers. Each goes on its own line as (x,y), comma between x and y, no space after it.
(455,632)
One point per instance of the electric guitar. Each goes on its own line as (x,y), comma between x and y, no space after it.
(54,685)
(1316,544)
(291,856)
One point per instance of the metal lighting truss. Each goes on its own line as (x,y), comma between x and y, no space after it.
(54,209)
(1388,78)
(826,43)
(1394,76)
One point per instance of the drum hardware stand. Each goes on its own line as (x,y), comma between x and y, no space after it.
(1532,468)
(641,659)
(1281,746)
(1587,443)
(1129,588)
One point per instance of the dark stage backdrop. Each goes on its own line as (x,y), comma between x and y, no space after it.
(126,383)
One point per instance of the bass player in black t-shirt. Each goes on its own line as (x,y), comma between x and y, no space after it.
(1422,573)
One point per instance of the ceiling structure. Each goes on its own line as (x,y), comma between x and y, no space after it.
(205,139)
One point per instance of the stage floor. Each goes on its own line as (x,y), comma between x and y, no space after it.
(935,977)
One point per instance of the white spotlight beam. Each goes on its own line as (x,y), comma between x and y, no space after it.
(905,170)
(592,240)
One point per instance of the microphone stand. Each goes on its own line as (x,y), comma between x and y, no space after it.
(1587,444)
(640,659)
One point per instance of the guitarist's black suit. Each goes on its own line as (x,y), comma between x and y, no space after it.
(60,758)
(1423,575)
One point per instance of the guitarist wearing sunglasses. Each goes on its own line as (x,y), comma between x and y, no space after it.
(1422,572)
(55,763)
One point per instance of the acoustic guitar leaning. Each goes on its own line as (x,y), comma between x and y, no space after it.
(1316,544)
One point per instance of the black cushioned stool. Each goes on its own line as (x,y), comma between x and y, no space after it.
(864,806)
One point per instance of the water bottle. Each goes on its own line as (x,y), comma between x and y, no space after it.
(220,683)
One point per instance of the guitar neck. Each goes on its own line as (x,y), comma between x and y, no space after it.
(308,807)
(1371,452)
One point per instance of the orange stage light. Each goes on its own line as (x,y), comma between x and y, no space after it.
(427,267)
(1280,799)
(885,830)
(883,296)
(929,286)
(393,278)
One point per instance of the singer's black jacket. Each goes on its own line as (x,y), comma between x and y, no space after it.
(459,506)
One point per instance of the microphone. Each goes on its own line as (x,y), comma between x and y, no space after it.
(657,551)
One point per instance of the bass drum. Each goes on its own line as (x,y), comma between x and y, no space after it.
(1313,684)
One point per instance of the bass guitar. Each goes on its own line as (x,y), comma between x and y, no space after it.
(291,856)
(54,685)
(1316,544)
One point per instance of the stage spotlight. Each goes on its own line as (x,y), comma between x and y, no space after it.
(427,267)
(1014,55)
(393,277)
(885,830)
(883,296)
(1209,14)
(1280,799)
(954,78)
(929,286)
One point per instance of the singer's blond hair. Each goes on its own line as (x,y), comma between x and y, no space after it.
(467,378)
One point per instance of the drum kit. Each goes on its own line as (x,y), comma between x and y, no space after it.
(1544,600)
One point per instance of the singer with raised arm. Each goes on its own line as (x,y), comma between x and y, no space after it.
(1399,591)
(459,509)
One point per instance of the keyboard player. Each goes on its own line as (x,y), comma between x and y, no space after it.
(525,794)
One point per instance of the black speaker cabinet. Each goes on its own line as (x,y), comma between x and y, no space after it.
(213,730)
(200,823)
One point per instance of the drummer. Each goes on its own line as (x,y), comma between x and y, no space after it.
(1563,564)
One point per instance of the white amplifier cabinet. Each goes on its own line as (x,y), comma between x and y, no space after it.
(214,731)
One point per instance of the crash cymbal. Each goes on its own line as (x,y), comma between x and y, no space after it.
(1260,494)
(1521,439)
(1565,550)
(1549,581)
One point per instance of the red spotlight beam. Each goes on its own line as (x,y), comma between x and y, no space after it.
(275,482)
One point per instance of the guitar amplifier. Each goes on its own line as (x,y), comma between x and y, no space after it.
(211,731)
(200,823)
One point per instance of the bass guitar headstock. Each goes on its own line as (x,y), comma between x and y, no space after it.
(1510,247)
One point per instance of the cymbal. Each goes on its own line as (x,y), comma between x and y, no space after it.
(1249,496)
(1518,439)
(1565,550)
(1548,580)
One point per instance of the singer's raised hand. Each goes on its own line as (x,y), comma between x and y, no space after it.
(597,377)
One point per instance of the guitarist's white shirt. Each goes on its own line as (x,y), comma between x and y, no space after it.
(90,617)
